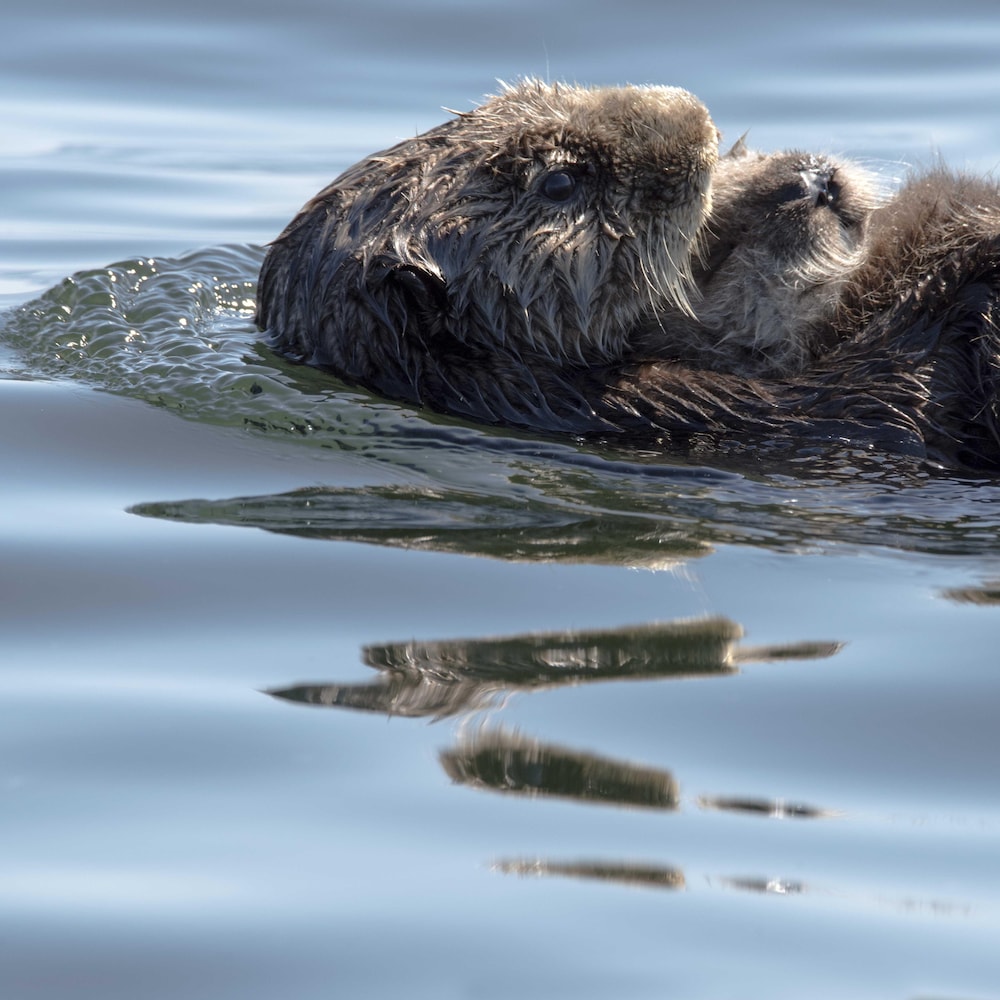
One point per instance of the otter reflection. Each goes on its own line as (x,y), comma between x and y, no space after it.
(626,872)
(438,679)
(509,762)
(985,595)
(773,886)
(447,678)
(774,808)
(450,520)
(501,761)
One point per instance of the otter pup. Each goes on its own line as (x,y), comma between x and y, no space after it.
(543,227)
(787,232)
(914,364)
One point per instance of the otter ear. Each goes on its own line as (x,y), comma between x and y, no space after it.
(739,150)
(413,297)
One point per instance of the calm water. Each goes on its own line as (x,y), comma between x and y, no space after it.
(308,695)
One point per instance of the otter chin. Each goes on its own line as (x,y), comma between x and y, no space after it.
(543,227)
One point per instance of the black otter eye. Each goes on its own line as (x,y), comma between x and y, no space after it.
(558,185)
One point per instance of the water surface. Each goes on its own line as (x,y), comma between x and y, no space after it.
(307,694)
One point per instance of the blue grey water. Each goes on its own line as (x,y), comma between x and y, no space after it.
(305,694)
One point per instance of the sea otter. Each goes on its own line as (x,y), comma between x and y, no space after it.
(913,364)
(543,227)
(565,259)
(556,229)
(787,232)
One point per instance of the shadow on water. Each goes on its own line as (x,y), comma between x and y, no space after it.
(179,333)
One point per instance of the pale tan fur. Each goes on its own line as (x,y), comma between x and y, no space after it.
(787,233)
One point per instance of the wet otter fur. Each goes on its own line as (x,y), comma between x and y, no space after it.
(787,232)
(874,326)
(546,225)
(915,362)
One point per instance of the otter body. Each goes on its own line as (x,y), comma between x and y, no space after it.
(564,259)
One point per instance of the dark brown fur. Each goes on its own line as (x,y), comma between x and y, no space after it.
(544,226)
(905,355)
(916,363)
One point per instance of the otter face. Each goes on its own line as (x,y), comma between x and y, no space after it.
(597,199)
(548,221)
(788,231)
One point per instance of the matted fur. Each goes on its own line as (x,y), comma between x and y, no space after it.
(787,233)
(441,273)
(914,365)
(452,242)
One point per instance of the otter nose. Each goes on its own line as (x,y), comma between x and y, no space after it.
(824,194)
(821,188)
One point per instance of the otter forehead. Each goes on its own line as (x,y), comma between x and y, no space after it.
(660,128)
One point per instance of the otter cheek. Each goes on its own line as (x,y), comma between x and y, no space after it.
(706,204)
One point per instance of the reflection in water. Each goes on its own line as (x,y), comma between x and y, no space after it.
(773,808)
(447,678)
(436,679)
(509,762)
(513,528)
(773,886)
(665,877)
(557,506)
(629,873)
(986,594)
(786,887)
